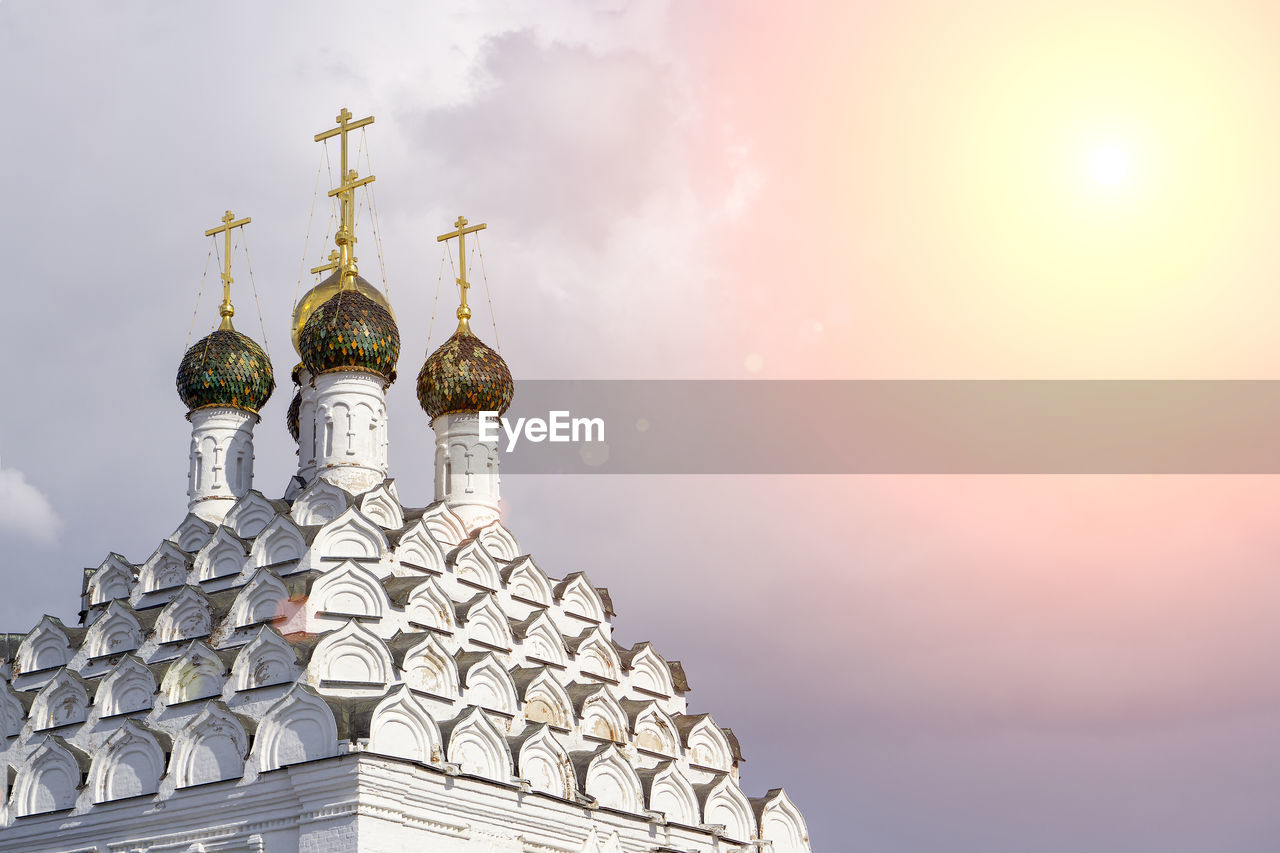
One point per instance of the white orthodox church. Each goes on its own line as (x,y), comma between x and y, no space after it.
(329,670)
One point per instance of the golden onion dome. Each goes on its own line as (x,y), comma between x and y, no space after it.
(320,294)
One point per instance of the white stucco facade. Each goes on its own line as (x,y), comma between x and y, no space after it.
(348,429)
(307,445)
(221,460)
(355,801)
(466,468)
(340,672)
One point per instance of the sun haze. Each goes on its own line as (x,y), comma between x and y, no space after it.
(1109,165)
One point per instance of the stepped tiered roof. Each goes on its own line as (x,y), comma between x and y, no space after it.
(301,630)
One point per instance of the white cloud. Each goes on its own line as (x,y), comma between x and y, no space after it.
(24,510)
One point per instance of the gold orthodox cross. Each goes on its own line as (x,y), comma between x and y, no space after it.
(334,258)
(345,126)
(347,184)
(229,221)
(352,182)
(464,313)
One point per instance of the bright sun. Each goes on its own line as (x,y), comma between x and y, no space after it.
(1108,164)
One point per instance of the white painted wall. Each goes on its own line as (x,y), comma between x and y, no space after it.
(349,428)
(466,469)
(221,464)
(306,428)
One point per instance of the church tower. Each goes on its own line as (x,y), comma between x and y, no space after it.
(458,381)
(223,380)
(349,343)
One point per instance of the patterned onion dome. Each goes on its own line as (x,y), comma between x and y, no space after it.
(226,368)
(291,417)
(464,375)
(322,293)
(350,332)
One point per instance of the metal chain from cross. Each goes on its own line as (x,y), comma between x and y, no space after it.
(461,232)
(226,309)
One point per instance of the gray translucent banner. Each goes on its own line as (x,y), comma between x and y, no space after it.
(896,427)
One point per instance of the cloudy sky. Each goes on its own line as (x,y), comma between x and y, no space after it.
(726,190)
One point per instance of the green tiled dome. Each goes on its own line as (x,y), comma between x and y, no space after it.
(464,375)
(350,332)
(225,368)
(291,417)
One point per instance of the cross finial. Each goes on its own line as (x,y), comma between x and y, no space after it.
(461,232)
(334,257)
(229,221)
(345,191)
